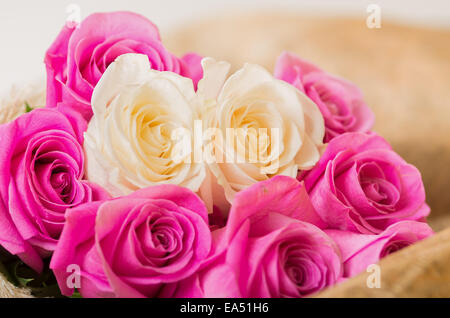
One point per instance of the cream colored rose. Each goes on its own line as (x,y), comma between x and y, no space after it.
(129,141)
(277,129)
(14,104)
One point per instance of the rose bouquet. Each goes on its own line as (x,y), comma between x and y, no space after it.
(151,175)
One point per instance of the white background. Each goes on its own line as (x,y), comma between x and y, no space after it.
(28,27)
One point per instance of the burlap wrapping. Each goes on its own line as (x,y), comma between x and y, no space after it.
(421,270)
(404,74)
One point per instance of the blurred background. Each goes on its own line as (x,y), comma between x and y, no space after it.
(28,27)
(400,61)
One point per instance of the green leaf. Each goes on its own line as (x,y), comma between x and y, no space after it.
(28,108)
(47,291)
(76,294)
(5,272)
(23,281)
(18,273)
(22,274)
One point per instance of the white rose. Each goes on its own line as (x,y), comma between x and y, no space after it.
(278,130)
(129,140)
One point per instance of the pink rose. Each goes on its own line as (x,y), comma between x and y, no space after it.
(139,245)
(41,174)
(79,56)
(360,184)
(339,101)
(361,250)
(272,246)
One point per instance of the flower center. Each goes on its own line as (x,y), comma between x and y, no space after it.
(160,238)
(61,182)
(376,187)
(54,171)
(255,132)
(300,266)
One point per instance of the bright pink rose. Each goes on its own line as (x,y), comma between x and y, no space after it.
(41,174)
(361,250)
(339,101)
(79,56)
(272,246)
(360,184)
(139,245)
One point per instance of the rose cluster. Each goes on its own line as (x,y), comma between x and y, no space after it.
(275,187)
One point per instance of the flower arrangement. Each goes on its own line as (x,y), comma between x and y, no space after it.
(151,175)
